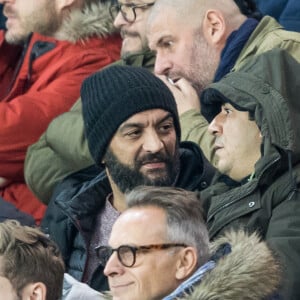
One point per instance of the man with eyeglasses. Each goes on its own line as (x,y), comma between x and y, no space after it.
(132,129)
(130,18)
(159,249)
(128,10)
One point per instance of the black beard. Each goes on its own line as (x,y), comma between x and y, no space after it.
(127,178)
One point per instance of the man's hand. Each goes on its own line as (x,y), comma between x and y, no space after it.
(185,95)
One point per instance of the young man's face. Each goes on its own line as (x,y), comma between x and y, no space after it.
(181,49)
(24,17)
(237,144)
(153,275)
(133,32)
(144,151)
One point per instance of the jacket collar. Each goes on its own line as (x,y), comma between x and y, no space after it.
(234,45)
(144,58)
(196,172)
(264,27)
(87,198)
(250,271)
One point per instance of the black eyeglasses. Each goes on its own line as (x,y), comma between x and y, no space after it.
(128,10)
(127,254)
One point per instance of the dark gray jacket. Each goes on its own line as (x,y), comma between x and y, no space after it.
(269,89)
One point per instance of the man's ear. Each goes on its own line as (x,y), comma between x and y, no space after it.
(186,263)
(34,291)
(63,4)
(214,28)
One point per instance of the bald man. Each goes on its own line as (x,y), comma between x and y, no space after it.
(198,42)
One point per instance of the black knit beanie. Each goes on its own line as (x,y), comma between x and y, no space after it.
(113,95)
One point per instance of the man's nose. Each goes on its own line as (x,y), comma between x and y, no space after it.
(119,20)
(113,266)
(152,143)
(162,65)
(215,126)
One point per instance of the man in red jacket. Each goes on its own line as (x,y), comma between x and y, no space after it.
(48,49)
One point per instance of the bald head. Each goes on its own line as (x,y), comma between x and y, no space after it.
(195,10)
(189,36)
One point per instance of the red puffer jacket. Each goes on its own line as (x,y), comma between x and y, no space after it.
(37,83)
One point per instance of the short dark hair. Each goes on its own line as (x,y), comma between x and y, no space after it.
(27,256)
(184,214)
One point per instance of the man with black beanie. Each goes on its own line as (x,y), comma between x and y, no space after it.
(132,128)
(59,153)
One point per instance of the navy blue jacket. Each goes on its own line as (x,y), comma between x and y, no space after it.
(286,12)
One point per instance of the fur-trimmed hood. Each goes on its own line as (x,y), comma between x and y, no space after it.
(249,272)
(93,20)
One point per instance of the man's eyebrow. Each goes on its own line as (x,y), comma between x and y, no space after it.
(168,116)
(131,125)
(224,104)
(161,40)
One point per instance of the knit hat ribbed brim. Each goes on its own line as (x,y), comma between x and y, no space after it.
(113,95)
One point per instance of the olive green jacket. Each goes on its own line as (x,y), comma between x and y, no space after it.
(63,149)
(269,200)
(267,35)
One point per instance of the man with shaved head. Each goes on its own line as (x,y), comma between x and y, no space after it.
(198,42)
